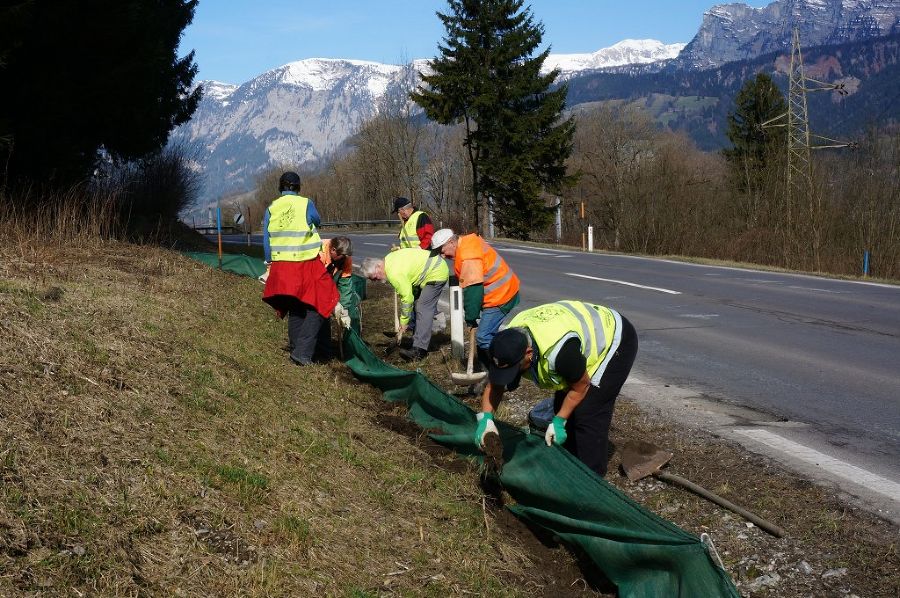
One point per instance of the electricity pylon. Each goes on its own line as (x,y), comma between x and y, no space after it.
(799,138)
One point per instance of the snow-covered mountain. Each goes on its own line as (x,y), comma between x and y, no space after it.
(629,51)
(290,115)
(300,112)
(732,32)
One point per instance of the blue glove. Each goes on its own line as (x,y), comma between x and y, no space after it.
(485,426)
(556,431)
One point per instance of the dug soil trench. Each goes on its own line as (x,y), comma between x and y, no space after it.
(554,571)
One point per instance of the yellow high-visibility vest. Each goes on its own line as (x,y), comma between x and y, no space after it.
(408,235)
(291,238)
(409,268)
(598,328)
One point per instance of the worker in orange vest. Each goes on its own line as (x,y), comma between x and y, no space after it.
(490,287)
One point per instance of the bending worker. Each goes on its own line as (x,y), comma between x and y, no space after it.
(337,255)
(298,285)
(413,273)
(582,351)
(415,228)
(490,288)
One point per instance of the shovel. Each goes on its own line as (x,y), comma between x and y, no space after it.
(640,459)
(469,377)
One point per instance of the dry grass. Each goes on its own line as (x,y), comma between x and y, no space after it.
(155,441)
(35,227)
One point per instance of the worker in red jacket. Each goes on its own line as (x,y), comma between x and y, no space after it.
(298,286)
(416,228)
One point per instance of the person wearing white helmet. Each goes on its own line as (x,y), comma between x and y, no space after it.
(490,287)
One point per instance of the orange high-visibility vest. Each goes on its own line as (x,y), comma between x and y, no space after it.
(500,283)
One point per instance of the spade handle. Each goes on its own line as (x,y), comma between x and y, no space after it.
(723,502)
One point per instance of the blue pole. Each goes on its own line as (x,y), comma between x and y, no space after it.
(866,263)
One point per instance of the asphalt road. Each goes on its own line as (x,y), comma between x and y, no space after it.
(821,351)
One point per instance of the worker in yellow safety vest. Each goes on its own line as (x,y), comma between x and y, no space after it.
(416,227)
(490,287)
(418,277)
(298,286)
(583,352)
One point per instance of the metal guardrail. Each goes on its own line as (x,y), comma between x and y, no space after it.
(384,222)
(208,230)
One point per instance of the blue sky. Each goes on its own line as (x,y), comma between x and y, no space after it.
(235,40)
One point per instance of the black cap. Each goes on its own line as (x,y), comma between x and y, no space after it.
(507,351)
(400,202)
(289,181)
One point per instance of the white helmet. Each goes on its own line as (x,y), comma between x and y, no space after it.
(440,237)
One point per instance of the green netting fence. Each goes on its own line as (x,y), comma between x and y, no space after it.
(234,263)
(641,553)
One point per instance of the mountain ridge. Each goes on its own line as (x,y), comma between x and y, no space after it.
(301,112)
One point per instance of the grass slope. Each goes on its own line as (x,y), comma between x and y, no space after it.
(155,440)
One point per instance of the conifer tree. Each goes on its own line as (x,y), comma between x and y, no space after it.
(754,148)
(488,78)
(82,76)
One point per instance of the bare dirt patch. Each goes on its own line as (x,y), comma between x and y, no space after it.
(555,570)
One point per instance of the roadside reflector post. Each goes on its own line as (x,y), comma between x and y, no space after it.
(457,323)
(558,220)
(590,238)
(866,263)
(582,226)
(219,232)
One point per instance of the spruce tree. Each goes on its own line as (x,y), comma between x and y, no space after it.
(488,78)
(755,148)
(89,75)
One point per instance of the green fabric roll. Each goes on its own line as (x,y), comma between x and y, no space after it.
(643,554)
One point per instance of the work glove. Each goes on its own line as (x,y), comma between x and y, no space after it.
(472,323)
(342,315)
(485,426)
(265,275)
(395,247)
(556,431)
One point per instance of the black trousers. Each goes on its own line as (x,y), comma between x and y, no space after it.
(588,427)
(307,333)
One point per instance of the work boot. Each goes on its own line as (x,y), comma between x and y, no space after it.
(482,360)
(413,354)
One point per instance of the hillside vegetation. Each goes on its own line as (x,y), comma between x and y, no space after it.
(155,440)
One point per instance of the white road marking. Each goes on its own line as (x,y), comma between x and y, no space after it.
(531,251)
(699,316)
(760,280)
(819,290)
(836,467)
(376,244)
(882,285)
(507,246)
(629,284)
